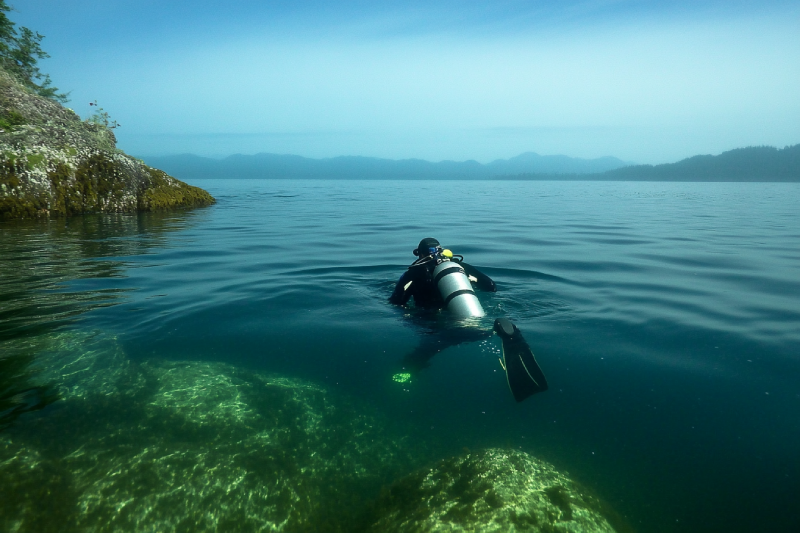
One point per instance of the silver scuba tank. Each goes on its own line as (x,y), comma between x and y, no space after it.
(456,290)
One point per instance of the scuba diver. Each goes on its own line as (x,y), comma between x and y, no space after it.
(440,280)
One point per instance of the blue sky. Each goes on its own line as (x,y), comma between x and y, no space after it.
(648,82)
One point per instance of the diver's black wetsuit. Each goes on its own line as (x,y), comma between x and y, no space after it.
(524,375)
(418,282)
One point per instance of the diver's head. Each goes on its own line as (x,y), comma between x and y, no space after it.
(428,246)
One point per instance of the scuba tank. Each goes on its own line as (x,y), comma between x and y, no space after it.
(456,290)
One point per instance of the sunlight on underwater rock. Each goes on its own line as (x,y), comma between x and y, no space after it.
(194,446)
(61,365)
(199,446)
(83,364)
(489,491)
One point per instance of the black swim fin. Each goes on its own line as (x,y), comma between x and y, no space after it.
(525,378)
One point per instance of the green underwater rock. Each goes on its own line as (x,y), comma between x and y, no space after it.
(490,491)
(84,365)
(55,164)
(202,446)
(187,446)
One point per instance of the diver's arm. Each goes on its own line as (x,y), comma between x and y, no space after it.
(402,291)
(483,281)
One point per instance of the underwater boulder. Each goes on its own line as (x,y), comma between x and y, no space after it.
(189,446)
(38,370)
(84,365)
(489,491)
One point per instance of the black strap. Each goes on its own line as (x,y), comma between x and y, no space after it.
(446,271)
(457,293)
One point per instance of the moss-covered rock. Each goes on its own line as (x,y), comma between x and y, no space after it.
(489,491)
(54,164)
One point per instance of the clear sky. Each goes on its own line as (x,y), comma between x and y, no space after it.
(648,82)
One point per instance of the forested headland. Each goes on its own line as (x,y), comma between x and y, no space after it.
(52,162)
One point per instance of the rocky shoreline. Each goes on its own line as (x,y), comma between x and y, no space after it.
(55,164)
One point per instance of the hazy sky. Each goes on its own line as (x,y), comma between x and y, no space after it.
(645,81)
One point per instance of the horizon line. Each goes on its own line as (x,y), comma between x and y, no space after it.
(628,163)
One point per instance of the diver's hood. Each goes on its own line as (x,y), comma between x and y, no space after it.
(425,245)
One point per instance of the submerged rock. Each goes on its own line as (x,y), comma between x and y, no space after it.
(200,446)
(190,446)
(53,163)
(490,491)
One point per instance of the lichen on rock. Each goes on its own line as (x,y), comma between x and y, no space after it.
(55,164)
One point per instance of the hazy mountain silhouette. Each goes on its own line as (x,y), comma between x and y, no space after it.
(755,163)
(188,166)
(531,162)
(760,163)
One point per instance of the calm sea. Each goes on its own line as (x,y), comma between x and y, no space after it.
(666,317)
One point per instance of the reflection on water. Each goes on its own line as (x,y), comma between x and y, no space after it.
(51,272)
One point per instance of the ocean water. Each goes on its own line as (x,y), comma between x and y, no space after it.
(666,317)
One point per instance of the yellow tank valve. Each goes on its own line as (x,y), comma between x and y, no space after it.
(447,253)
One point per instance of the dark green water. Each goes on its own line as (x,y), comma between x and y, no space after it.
(666,317)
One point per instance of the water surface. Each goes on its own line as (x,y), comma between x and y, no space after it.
(665,316)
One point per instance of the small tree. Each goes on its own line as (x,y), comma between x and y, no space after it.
(7,31)
(101,117)
(20,53)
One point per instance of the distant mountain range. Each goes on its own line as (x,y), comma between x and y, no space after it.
(762,163)
(189,166)
(755,163)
